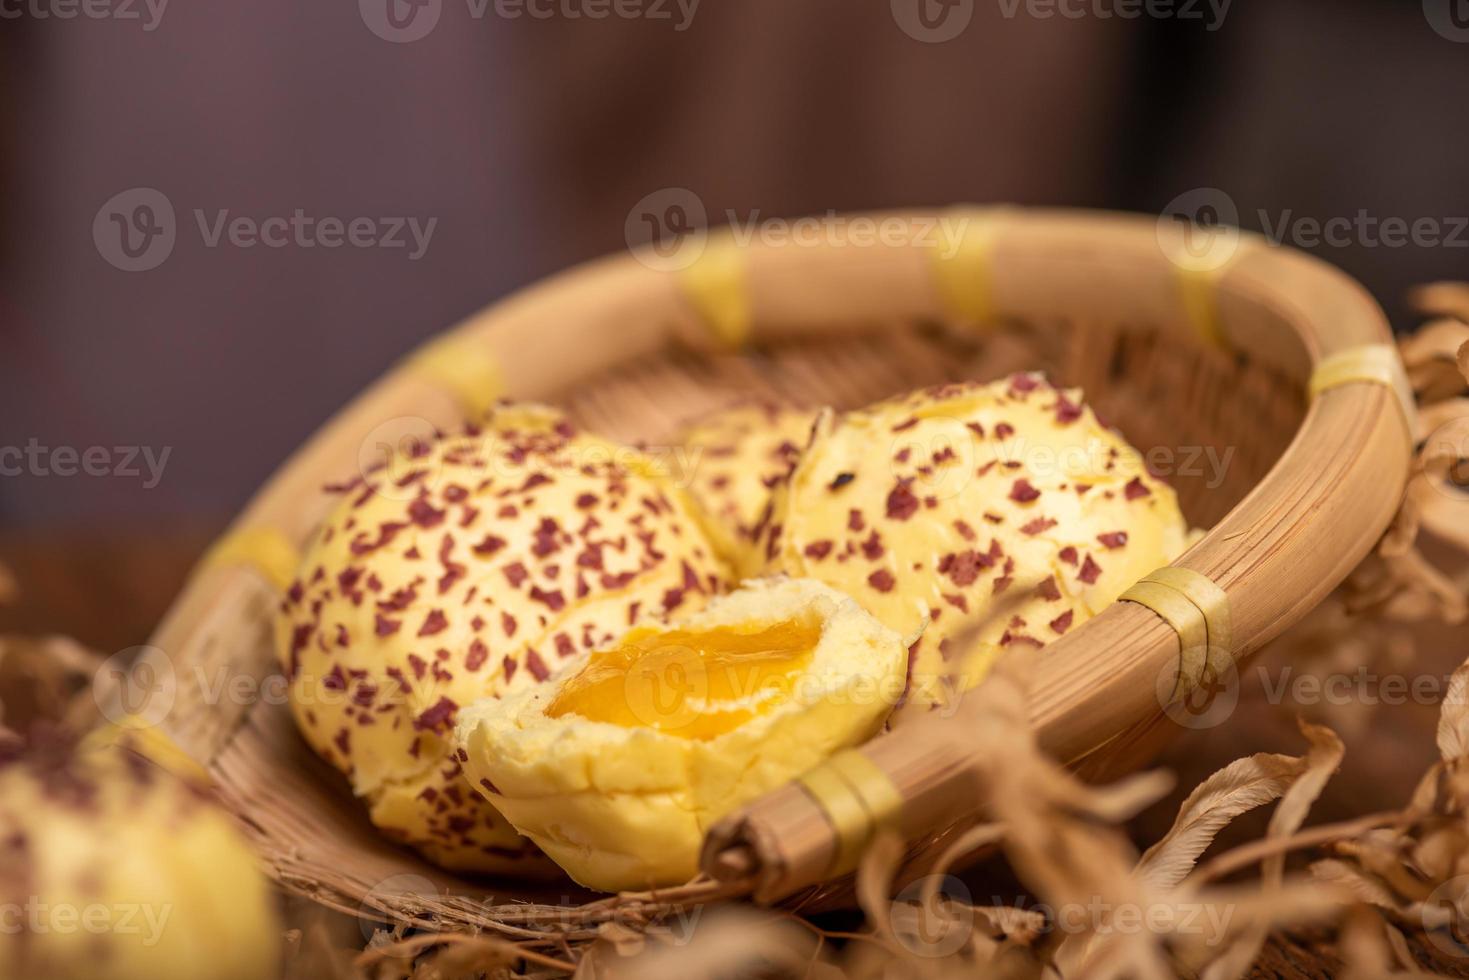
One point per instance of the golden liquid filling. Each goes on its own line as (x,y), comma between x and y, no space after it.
(693,684)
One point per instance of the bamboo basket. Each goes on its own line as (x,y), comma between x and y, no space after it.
(1174,351)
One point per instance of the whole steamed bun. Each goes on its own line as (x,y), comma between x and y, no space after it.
(742,452)
(1004,506)
(472,570)
(121,871)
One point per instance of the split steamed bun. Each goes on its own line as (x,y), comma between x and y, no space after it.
(742,453)
(470,571)
(1005,504)
(619,764)
(117,870)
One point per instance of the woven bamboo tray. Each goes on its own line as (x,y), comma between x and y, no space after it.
(1178,348)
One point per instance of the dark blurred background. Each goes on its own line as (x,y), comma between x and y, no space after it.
(527,130)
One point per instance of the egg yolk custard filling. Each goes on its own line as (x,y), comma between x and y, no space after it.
(617,765)
(696,684)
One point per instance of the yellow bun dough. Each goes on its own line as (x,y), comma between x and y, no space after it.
(113,869)
(1004,505)
(469,571)
(618,765)
(742,452)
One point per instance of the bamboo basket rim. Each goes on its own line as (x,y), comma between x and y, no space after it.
(1276,554)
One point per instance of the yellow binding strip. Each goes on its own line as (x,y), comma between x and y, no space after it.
(1187,621)
(1379,364)
(1197,271)
(264,549)
(1212,603)
(859,801)
(149,741)
(963,263)
(463,366)
(717,284)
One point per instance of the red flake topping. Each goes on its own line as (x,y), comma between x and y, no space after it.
(434,622)
(1048,589)
(510,668)
(872,548)
(436,718)
(515,573)
(1002,583)
(385,533)
(1089,571)
(964,567)
(488,546)
(424,514)
(1037,525)
(586,500)
(881,580)
(855,521)
(564,646)
(1135,489)
(400,600)
(508,622)
(553,599)
(545,542)
(818,550)
(965,531)
(1068,555)
(386,626)
(536,666)
(1067,411)
(901,503)
(1062,623)
(1022,492)
(1004,430)
(478,654)
(1113,539)
(1023,382)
